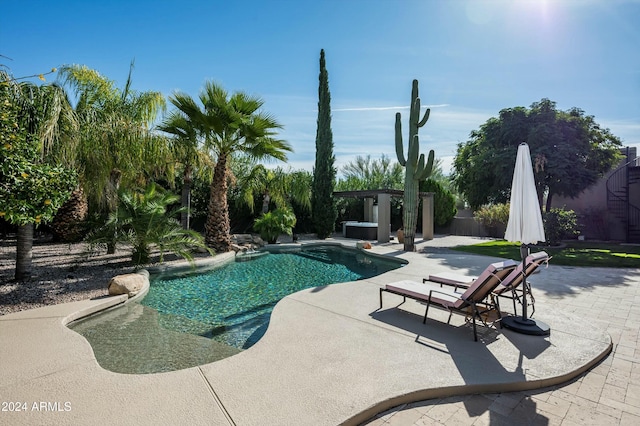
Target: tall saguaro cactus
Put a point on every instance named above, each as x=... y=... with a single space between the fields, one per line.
x=415 y=168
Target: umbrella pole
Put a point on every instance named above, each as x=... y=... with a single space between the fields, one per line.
x=524 y=253
x=523 y=324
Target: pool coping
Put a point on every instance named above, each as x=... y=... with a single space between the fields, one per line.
x=322 y=379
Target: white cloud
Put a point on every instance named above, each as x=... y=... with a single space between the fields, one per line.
x=369 y=130
x=394 y=108
x=370 y=109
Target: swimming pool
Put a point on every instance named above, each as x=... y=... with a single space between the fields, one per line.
x=196 y=318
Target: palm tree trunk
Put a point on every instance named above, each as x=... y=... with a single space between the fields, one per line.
x=186 y=199
x=218 y=228
x=24 y=252
x=265 y=202
x=112 y=199
x=67 y=224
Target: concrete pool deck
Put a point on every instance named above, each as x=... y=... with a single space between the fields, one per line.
x=329 y=356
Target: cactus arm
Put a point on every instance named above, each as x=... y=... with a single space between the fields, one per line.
x=426 y=172
x=415 y=110
x=399 y=147
x=419 y=168
x=425 y=118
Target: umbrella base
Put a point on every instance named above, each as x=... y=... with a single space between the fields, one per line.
x=526 y=326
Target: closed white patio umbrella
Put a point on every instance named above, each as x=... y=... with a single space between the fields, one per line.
x=524 y=226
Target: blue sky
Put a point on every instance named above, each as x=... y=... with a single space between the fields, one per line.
x=472 y=58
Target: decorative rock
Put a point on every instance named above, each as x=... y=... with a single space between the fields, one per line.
x=237 y=248
x=241 y=239
x=129 y=284
x=363 y=245
x=243 y=242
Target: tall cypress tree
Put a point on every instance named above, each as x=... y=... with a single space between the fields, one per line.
x=323 y=208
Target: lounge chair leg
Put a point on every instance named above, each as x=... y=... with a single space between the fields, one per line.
x=497 y=305
x=426 y=311
x=381 y=290
x=475 y=334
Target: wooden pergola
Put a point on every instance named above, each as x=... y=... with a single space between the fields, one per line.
x=384 y=209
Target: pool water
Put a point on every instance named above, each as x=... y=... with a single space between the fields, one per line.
x=194 y=319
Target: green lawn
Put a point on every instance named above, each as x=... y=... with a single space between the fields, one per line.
x=575 y=253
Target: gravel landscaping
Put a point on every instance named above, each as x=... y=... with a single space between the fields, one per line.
x=61 y=273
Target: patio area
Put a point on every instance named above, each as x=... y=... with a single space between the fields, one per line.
x=330 y=356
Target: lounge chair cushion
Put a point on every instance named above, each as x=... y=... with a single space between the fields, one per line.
x=515 y=278
x=490 y=278
x=452 y=279
x=452 y=297
x=447 y=297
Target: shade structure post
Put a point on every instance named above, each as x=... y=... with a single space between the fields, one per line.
x=384 y=217
x=524 y=226
x=427 y=216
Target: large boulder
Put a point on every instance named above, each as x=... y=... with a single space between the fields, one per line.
x=129 y=284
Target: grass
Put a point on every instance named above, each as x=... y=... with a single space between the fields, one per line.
x=571 y=254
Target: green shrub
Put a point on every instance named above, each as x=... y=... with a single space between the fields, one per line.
x=272 y=224
x=143 y=221
x=560 y=224
x=444 y=202
x=493 y=215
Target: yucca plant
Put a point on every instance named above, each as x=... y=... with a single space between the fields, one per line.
x=144 y=220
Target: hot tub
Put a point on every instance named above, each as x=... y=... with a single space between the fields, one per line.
x=361 y=230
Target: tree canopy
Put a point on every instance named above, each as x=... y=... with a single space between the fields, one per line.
x=569 y=152
x=365 y=173
x=31 y=191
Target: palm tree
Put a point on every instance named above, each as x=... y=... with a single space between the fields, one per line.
x=188 y=153
x=227 y=125
x=144 y=220
x=277 y=186
x=114 y=133
x=114 y=141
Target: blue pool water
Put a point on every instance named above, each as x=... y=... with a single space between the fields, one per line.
x=187 y=320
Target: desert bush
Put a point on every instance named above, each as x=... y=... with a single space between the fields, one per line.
x=444 y=202
x=493 y=215
x=560 y=224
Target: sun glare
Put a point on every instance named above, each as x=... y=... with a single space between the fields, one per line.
x=487 y=12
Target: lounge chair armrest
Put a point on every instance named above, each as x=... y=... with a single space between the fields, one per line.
x=440 y=292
